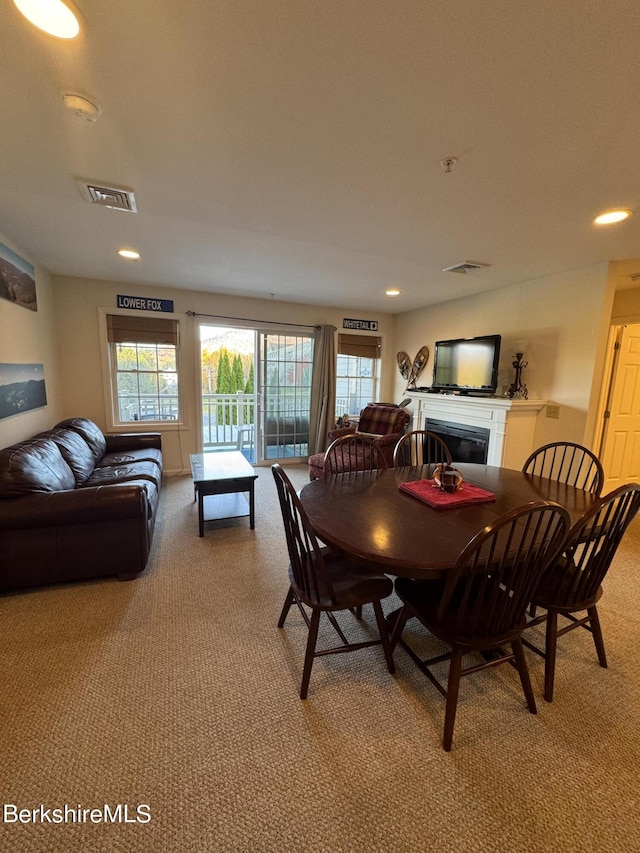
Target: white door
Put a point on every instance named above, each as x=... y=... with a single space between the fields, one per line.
x=620 y=453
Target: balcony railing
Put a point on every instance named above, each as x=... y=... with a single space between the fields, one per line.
x=228 y=421
x=135 y=407
x=223 y=416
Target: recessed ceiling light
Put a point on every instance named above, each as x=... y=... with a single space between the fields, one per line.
x=129 y=254
x=52 y=16
x=612 y=216
x=392 y=292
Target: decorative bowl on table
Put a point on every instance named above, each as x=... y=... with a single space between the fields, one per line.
x=447 y=478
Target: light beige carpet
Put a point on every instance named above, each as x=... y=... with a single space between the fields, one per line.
x=178 y=691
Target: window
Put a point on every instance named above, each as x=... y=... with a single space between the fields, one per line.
x=357 y=373
x=143 y=368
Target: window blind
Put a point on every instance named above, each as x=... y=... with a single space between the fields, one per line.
x=362 y=346
x=131 y=329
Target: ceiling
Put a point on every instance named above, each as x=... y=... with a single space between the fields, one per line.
x=294 y=148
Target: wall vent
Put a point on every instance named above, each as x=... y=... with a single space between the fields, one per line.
x=117 y=198
x=464 y=267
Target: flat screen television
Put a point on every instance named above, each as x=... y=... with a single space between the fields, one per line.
x=467 y=365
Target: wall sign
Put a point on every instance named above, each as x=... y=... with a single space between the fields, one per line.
x=144 y=303
x=361 y=325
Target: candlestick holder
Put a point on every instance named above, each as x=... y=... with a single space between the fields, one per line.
x=517 y=388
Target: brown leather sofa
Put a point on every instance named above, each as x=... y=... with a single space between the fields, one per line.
x=77 y=504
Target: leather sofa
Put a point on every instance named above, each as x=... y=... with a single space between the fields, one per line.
x=77 y=504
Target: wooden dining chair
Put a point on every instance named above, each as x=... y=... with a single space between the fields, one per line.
x=479 y=606
x=353 y=452
x=567 y=463
x=420 y=447
x=573 y=584
x=325 y=582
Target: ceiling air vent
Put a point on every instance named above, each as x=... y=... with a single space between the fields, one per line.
x=117 y=198
x=464 y=267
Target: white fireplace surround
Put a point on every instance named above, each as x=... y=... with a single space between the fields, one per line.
x=511 y=423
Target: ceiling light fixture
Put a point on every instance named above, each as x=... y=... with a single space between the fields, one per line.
x=612 y=216
x=51 y=16
x=393 y=291
x=81 y=107
x=129 y=254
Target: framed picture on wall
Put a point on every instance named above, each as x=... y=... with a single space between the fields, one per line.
x=22 y=388
x=17 y=279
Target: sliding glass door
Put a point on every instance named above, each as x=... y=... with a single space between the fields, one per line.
x=255 y=392
x=286 y=367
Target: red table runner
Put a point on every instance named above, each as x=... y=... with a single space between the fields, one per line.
x=428 y=492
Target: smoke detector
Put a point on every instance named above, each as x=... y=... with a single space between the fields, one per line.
x=117 y=198
x=464 y=267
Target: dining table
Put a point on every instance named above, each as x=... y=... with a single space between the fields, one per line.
x=368 y=516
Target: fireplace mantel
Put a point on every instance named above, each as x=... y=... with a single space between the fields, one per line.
x=511 y=423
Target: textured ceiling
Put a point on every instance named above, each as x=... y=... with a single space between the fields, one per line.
x=294 y=148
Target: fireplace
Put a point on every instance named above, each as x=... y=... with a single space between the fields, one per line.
x=493 y=430
x=466 y=443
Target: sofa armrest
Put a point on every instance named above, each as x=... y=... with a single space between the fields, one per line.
x=122 y=441
x=388 y=440
x=73 y=507
x=340 y=431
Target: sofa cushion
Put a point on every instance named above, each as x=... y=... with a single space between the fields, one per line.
x=33 y=466
x=75 y=452
x=124 y=457
x=90 y=432
x=125 y=473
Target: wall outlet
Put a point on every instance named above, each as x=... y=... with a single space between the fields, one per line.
x=553 y=411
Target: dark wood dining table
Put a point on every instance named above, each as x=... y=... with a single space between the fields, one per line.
x=366 y=515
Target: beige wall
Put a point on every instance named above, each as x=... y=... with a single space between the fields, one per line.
x=626 y=307
x=29 y=337
x=559 y=322
x=76 y=306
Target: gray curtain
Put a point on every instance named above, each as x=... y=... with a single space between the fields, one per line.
x=323 y=388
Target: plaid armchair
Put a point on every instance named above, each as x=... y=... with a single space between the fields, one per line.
x=384 y=423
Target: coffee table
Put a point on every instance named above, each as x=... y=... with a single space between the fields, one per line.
x=219 y=479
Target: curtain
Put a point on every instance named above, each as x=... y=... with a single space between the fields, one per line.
x=323 y=389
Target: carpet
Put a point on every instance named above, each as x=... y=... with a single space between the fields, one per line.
x=172 y=701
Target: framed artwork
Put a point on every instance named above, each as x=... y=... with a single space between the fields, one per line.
x=22 y=388
x=17 y=279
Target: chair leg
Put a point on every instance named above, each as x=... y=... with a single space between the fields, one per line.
x=597 y=635
x=453 y=686
x=285 y=610
x=310 y=653
x=398 y=628
x=336 y=627
x=523 y=672
x=551 y=641
x=384 y=636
